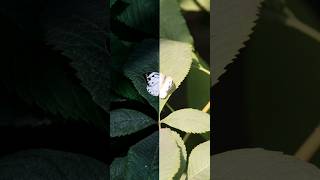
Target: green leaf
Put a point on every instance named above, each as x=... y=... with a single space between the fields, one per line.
x=189 y=120
x=124 y=87
x=198 y=87
x=172 y=23
x=199 y=162
x=169 y=154
x=126 y=121
x=143 y=159
x=183 y=155
x=252 y=164
x=175 y=61
x=233 y=23
x=80 y=33
x=142 y=15
x=51 y=165
x=144 y=59
x=118 y=168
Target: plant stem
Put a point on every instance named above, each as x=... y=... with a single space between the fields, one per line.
x=204 y=70
x=294 y=22
x=310 y=146
x=169 y=107
x=205 y=109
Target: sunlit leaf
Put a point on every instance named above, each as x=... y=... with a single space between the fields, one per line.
x=199 y=162
x=189 y=120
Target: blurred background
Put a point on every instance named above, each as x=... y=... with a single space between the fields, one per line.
x=270 y=95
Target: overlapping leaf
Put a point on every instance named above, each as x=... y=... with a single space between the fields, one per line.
x=127 y=121
x=144 y=59
x=80 y=33
x=142 y=15
x=175 y=61
x=143 y=159
x=189 y=120
x=199 y=162
x=169 y=155
x=118 y=169
x=172 y=23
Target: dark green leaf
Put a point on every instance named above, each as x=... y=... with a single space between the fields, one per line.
x=126 y=121
x=142 y=15
x=118 y=169
x=143 y=159
x=51 y=165
x=144 y=59
x=80 y=33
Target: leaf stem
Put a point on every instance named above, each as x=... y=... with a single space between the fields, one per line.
x=169 y=107
x=205 y=109
x=294 y=22
x=310 y=146
x=201 y=68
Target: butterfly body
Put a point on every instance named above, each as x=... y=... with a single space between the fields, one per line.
x=159 y=84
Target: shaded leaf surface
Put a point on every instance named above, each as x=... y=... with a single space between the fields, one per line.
x=118 y=169
x=142 y=15
x=143 y=159
x=252 y=164
x=50 y=165
x=233 y=23
x=127 y=121
x=80 y=32
x=144 y=59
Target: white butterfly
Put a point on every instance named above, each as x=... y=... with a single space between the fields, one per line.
x=159 y=84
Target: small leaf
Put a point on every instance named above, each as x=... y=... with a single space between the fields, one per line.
x=172 y=24
x=126 y=121
x=144 y=59
x=118 y=169
x=253 y=164
x=175 y=61
x=169 y=154
x=199 y=162
x=189 y=120
x=143 y=159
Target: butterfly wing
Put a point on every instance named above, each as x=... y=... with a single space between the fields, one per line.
x=153 y=83
x=165 y=86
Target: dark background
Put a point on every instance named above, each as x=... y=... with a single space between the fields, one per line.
x=27 y=59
